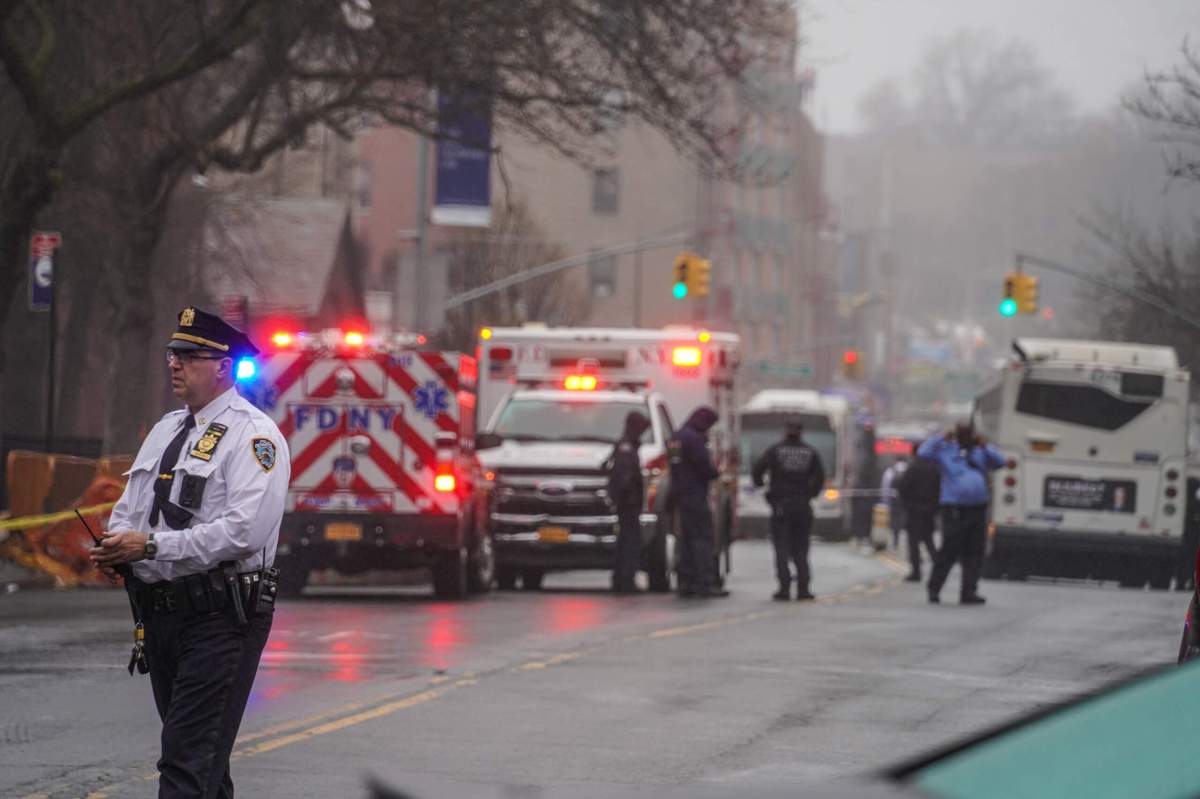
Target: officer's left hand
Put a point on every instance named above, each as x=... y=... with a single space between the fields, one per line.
x=118 y=548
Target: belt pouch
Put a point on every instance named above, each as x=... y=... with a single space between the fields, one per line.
x=197 y=592
x=216 y=589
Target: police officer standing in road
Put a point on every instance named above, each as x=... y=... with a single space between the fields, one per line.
x=195 y=533
x=692 y=469
x=627 y=491
x=797 y=476
x=919 y=490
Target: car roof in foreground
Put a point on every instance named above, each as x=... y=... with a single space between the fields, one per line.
x=1138 y=739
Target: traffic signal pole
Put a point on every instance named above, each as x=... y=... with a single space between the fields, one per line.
x=1104 y=283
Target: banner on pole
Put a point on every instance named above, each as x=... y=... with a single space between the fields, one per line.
x=463 y=192
x=43 y=246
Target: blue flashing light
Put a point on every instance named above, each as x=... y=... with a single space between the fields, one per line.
x=246 y=369
x=679 y=290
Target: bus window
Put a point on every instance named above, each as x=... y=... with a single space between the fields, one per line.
x=1134 y=384
x=1079 y=404
x=988 y=406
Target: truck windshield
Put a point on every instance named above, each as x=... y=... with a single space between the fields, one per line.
x=761 y=430
x=559 y=420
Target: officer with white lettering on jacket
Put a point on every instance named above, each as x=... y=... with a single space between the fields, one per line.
x=195 y=534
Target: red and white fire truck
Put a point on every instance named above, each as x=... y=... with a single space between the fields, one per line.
x=383 y=473
x=554 y=400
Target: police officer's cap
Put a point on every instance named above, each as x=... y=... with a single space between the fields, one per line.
x=200 y=330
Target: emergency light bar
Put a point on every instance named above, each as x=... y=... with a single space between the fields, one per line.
x=444 y=483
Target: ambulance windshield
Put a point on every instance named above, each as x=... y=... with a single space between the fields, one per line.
x=566 y=420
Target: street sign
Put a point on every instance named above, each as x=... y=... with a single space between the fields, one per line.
x=42 y=248
x=791 y=370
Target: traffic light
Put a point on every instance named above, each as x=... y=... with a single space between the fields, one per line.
x=700 y=277
x=851 y=365
x=1008 y=304
x=692 y=276
x=679 y=286
x=1027 y=294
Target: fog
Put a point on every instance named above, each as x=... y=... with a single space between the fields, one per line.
x=1095 y=48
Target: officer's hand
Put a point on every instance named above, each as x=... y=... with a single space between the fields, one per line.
x=117 y=548
x=109 y=572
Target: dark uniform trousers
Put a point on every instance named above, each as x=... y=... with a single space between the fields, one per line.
x=696 y=567
x=919 y=527
x=791 y=524
x=202 y=666
x=629 y=545
x=964 y=536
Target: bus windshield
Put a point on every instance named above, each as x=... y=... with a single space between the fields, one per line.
x=761 y=430
x=1088 y=405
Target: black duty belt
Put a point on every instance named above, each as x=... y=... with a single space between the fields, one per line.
x=200 y=593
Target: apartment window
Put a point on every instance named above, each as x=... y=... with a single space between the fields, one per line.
x=606 y=190
x=602 y=272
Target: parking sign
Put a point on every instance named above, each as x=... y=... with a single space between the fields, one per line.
x=42 y=249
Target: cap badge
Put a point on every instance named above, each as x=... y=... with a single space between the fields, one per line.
x=187 y=317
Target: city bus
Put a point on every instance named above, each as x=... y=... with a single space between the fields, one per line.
x=829 y=427
x=1095 y=481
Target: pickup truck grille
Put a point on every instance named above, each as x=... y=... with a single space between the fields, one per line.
x=551 y=494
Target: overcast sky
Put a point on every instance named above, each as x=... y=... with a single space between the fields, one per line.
x=1095 y=48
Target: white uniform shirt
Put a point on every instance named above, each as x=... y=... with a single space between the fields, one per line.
x=244 y=493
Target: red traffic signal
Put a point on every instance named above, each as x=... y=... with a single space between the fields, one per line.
x=850 y=357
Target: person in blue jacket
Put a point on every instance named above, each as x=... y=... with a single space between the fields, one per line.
x=964 y=460
x=692 y=469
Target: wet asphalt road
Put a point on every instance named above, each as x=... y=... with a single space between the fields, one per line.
x=572 y=685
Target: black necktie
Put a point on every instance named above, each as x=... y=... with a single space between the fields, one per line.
x=177 y=518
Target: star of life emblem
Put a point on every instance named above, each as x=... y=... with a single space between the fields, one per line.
x=432 y=399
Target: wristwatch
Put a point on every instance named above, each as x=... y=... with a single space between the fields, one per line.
x=151 y=548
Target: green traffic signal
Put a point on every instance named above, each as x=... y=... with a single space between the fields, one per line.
x=679 y=290
x=1008 y=307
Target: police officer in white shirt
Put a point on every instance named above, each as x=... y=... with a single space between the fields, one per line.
x=194 y=535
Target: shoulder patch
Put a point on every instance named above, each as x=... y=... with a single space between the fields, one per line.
x=264 y=452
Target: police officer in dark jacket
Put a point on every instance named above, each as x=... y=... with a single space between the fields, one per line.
x=692 y=469
x=797 y=475
x=919 y=489
x=627 y=491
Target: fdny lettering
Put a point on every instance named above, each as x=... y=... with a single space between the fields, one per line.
x=357 y=417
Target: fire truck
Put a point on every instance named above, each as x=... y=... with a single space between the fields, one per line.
x=554 y=401
x=381 y=434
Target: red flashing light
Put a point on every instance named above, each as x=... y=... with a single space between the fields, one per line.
x=850 y=357
x=281 y=338
x=353 y=338
x=686 y=356
x=422 y=340
x=444 y=483
x=580 y=383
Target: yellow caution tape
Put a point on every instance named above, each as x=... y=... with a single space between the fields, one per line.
x=25 y=522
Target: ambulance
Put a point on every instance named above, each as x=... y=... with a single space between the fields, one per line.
x=553 y=401
x=381 y=434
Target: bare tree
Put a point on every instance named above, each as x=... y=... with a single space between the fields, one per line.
x=1171 y=100
x=1163 y=265
x=259 y=73
x=513 y=243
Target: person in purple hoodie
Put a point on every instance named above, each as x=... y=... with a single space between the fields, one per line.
x=692 y=469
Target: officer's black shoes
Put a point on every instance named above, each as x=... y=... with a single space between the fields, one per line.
x=933 y=599
x=626 y=590
x=805 y=596
x=913 y=577
x=782 y=595
x=686 y=591
x=973 y=599
x=711 y=593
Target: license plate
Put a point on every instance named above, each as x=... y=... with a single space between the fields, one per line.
x=554 y=535
x=343 y=531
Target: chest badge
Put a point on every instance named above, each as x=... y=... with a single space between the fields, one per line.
x=264 y=453
x=207 y=445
